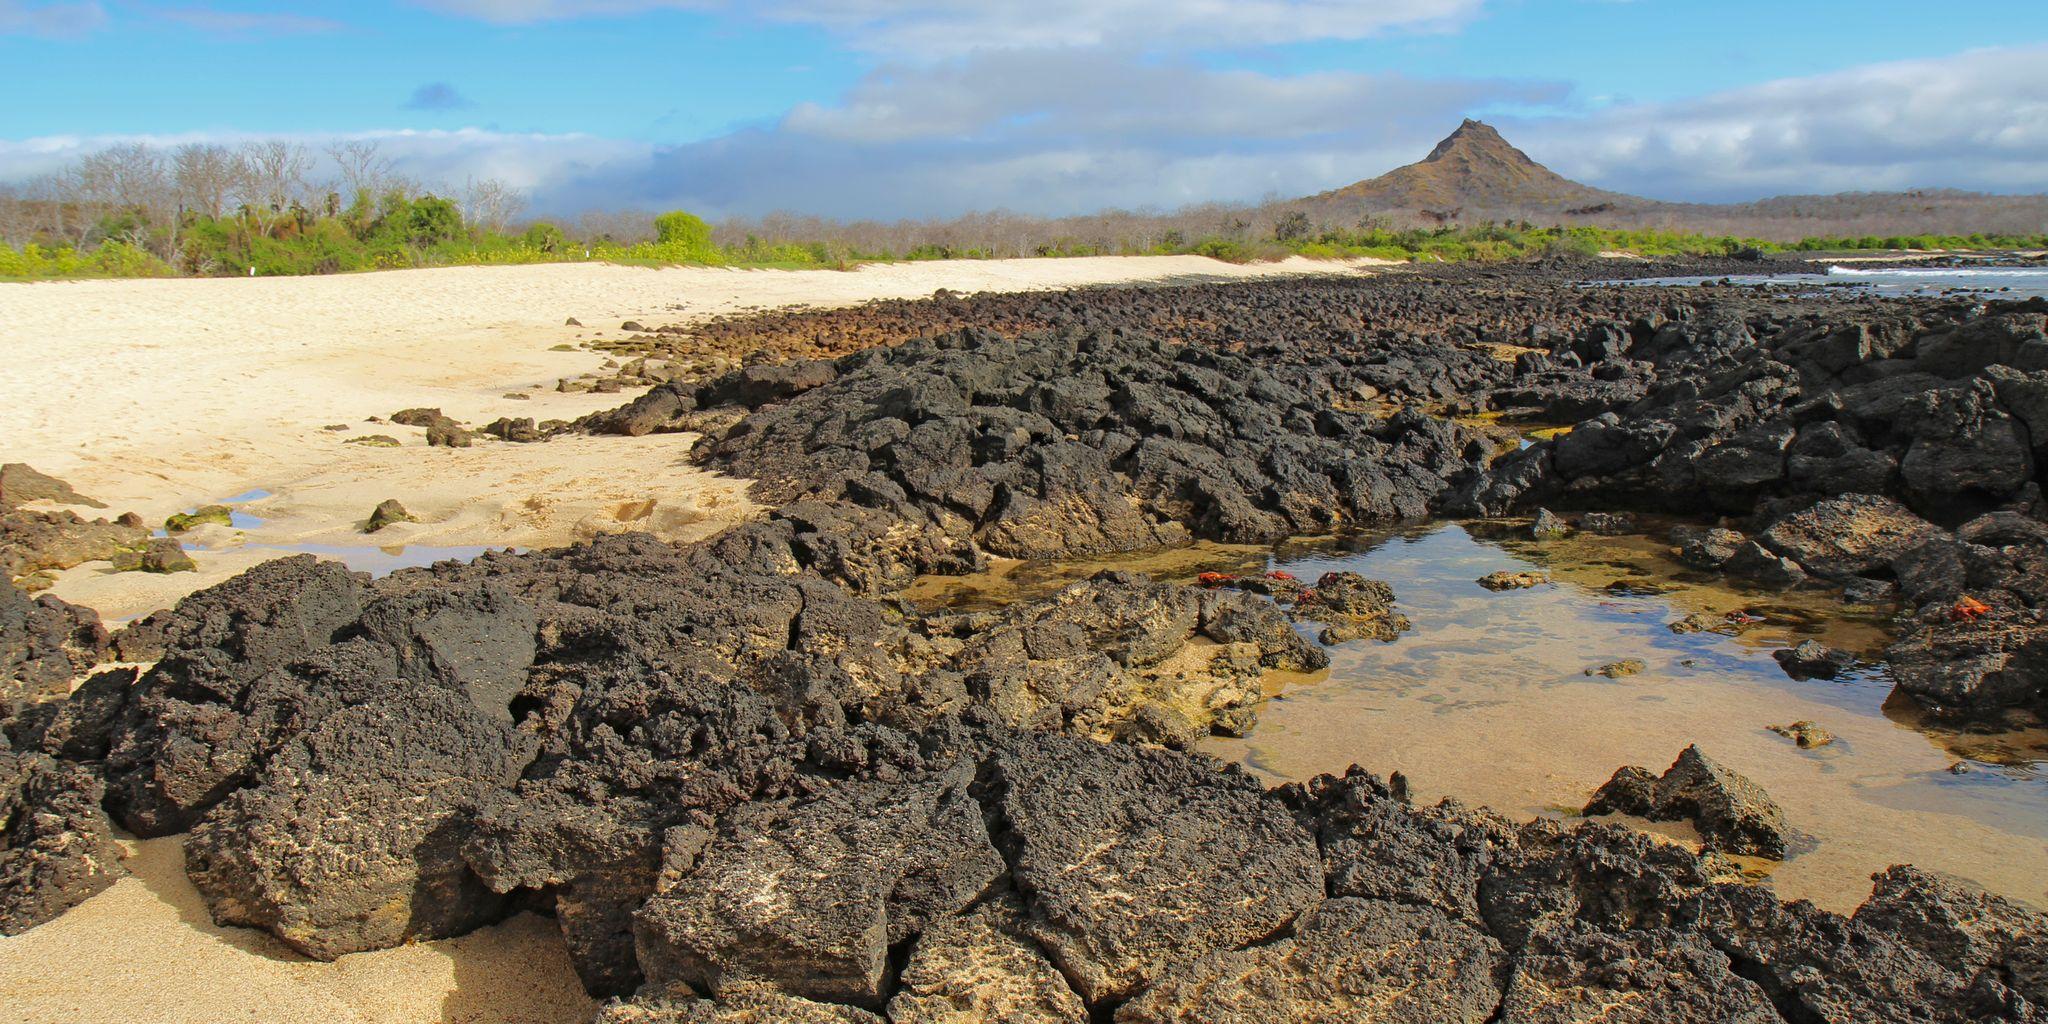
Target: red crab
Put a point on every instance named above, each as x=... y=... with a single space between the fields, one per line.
x=1215 y=579
x=1968 y=609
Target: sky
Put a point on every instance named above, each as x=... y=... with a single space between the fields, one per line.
x=922 y=108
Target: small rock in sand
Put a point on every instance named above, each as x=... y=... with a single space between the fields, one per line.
x=217 y=515
x=1548 y=526
x=445 y=434
x=1505 y=580
x=387 y=512
x=1618 y=669
x=335 y=427
x=1806 y=734
x=374 y=441
x=162 y=555
x=572 y=322
x=631 y=325
x=1814 y=660
x=517 y=396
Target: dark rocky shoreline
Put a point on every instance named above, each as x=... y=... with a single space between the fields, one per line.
x=751 y=784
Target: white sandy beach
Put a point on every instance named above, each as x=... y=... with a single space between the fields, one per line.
x=157 y=396
x=160 y=395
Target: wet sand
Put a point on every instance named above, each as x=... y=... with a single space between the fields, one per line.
x=157 y=396
x=1488 y=701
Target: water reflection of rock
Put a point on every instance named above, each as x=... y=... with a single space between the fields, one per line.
x=1510 y=667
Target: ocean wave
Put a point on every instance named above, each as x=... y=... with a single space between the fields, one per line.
x=1908 y=273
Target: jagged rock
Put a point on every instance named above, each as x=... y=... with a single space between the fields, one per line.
x=980 y=968
x=21 y=484
x=204 y=713
x=1347 y=960
x=57 y=848
x=1549 y=525
x=1732 y=813
x=82 y=727
x=44 y=644
x=418 y=417
x=349 y=838
x=1607 y=524
x=1989 y=939
x=1353 y=607
x=477 y=639
x=32 y=541
x=747 y=1006
x=1135 y=861
x=1971 y=667
x=518 y=431
x=162 y=555
x=387 y=512
x=1806 y=734
x=1121 y=655
x=448 y=434
x=1506 y=580
x=1814 y=660
x=1376 y=846
x=1817 y=966
x=810 y=896
x=1548 y=875
x=1638 y=977
x=1709 y=548
x=374 y=441
x=1848 y=536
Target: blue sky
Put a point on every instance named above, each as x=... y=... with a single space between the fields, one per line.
x=932 y=107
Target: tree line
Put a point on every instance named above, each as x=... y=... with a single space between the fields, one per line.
x=281 y=207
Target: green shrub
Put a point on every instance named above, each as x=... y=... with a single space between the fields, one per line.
x=682 y=228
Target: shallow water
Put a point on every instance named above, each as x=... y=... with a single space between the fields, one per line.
x=1488 y=699
x=1991 y=281
x=383 y=561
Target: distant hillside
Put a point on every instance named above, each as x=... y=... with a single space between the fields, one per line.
x=1472 y=171
x=1475 y=176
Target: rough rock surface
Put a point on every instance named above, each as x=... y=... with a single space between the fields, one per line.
x=1347 y=960
x=980 y=968
x=57 y=848
x=1084 y=825
x=810 y=896
x=350 y=838
x=220 y=698
x=1643 y=977
x=1732 y=813
x=44 y=644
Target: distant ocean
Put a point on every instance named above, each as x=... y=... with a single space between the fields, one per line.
x=1992 y=282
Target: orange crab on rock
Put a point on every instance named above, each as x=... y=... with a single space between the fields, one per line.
x=1968 y=609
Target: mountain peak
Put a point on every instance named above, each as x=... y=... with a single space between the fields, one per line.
x=1476 y=135
x=1475 y=172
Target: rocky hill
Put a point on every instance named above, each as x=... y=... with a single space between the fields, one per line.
x=1475 y=169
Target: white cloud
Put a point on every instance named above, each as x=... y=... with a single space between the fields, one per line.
x=921 y=29
x=1975 y=120
x=50 y=19
x=208 y=19
x=1055 y=133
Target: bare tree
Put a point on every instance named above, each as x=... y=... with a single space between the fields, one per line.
x=207 y=177
x=277 y=173
x=363 y=168
x=491 y=203
x=129 y=179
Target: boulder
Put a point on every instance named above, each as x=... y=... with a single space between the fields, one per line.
x=21 y=484
x=1812 y=659
x=980 y=968
x=1732 y=814
x=161 y=555
x=387 y=512
x=1852 y=535
x=1136 y=861
x=809 y=896
x=44 y=644
x=1991 y=940
x=349 y=838
x=746 y=1006
x=1661 y=976
x=57 y=848
x=201 y=717
x=204 y=515
x=1347 y=960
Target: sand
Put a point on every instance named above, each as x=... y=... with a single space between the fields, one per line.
x=158 y=396
x=145 y=952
